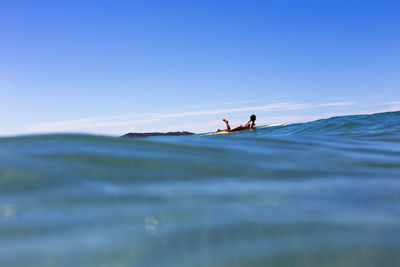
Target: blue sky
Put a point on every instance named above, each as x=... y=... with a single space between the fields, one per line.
x=111 y=67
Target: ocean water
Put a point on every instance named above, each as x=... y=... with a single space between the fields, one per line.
x=324 y=193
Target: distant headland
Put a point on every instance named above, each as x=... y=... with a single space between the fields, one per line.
x=137 y=135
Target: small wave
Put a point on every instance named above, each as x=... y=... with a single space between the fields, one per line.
x=379 y=124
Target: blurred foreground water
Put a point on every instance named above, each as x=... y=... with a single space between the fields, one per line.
x=324 y=193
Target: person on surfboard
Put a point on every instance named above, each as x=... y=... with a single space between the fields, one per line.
x=248 y=125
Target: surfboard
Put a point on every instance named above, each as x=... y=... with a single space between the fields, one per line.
x=273 y=125
x=255 y=128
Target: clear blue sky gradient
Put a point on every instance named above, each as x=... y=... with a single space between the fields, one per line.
x=110 y=67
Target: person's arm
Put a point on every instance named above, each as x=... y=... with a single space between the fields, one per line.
x=251 y=124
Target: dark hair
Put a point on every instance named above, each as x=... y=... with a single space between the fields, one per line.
x=253 y=117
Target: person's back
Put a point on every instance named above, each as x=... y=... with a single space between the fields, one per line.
x=248 y=125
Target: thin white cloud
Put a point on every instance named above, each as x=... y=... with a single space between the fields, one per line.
x=222 y=103
x=134 y=119
x=393 y=103
x=337 y=104
x=131 y=119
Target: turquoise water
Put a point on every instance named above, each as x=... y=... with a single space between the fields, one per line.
x=324 y=193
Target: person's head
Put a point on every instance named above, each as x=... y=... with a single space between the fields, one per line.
x=253 y=118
